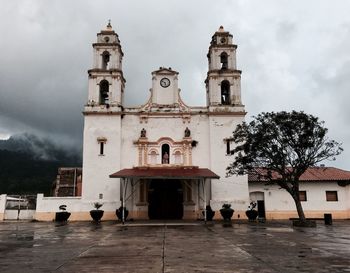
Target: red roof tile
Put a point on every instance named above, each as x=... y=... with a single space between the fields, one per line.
x=166 y=173
x=311 y=174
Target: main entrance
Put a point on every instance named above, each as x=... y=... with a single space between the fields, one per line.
x=165 y=199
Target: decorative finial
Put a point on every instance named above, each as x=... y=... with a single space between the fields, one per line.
x=109 y=26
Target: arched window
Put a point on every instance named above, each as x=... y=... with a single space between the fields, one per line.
x=165 y=154
x=104 y=89
x=225 y=92
x=223 y=60
x=105 y=59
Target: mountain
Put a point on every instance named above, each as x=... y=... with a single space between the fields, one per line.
x=28 y=163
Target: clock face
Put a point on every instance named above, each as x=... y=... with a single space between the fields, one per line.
x=164 y=82
x=223 y=40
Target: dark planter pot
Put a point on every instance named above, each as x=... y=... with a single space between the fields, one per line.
x=119 y=213
x=96 y=214
x=62 y=216
x=210 y=215
x=227 y=214
x=251 y=214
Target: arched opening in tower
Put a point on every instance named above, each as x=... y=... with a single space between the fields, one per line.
x=105 y=59
x=223 y=60
x=104 y=90
x=225 y=92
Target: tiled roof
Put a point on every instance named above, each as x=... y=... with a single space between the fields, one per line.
x=166 y=173
x=311 y=174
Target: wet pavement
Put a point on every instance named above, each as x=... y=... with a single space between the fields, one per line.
x=173 y=247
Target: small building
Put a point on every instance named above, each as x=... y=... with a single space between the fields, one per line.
x=322 y=190
x=68 y=182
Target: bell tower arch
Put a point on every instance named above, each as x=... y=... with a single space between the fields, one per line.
x=106 y=80
x=223 y=82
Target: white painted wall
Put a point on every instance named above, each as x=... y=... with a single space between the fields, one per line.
x=234 y=189
x=277 y=199
x=96 y=167
x=2 y=205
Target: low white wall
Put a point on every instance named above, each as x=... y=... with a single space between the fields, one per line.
x=2 y=206
x=74 y=204
x=24 y=214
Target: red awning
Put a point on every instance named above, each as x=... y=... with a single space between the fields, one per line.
x=166 y=173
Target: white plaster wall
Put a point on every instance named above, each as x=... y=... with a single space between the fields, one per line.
x=277 y=199
x=74 y=204
x=96 y=167
x=2 y=205
x=158 y=127
x=24 y=214
x=234 y=189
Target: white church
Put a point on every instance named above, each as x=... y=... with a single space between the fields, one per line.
x=164 y=159
x=167 y=160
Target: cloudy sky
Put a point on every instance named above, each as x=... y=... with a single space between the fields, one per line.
x=293 y=54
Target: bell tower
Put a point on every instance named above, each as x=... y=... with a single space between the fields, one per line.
x=103 y=119
x=106 y=81
x=223 y=82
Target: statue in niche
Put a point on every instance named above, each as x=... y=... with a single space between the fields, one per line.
x=187 y=132
x=165 y=159
x=143 y=132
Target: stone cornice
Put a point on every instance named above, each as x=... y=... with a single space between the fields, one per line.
x=222 y=46
x=224 y=71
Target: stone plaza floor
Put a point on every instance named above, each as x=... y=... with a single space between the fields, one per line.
x=173 y=247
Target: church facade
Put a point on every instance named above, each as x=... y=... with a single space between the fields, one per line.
x=167 y=160
x=163 y=159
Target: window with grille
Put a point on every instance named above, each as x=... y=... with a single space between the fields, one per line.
x=331 y=196
x=302 y=196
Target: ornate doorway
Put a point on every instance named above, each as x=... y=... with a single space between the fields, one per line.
x=165 y=199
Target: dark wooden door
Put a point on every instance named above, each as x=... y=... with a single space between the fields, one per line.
x=165 y=199
x=261 y=209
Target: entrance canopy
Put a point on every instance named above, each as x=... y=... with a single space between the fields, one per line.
x=166 y=173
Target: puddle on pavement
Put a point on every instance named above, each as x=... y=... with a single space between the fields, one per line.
x=280 y=229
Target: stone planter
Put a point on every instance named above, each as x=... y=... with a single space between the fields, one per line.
x=210 y=215
x=226 y=213
x=96 y=214
x=251 y=214
x=62 y=216
x=119 y=213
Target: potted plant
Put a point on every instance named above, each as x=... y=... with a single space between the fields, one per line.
x=210 y=213
x=251 y=212
x=119 y=213
x=96 y=214
x=63 y=214
x=226 y=212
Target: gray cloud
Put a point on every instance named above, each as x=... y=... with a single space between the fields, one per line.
x=294 y=55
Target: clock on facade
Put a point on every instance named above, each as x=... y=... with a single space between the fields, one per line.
x=164 y=82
